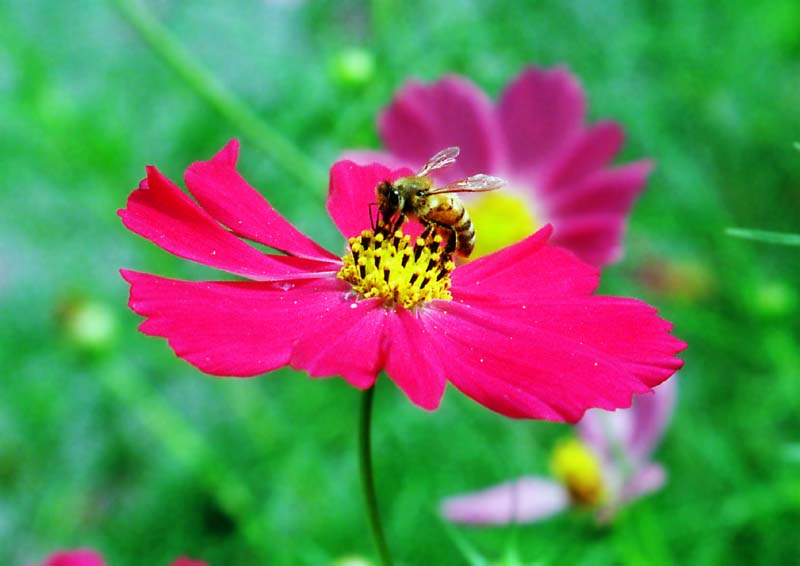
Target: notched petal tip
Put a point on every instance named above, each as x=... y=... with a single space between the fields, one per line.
x=228 y=155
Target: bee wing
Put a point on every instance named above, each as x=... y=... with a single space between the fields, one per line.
x=444 y=158
x=475 y=184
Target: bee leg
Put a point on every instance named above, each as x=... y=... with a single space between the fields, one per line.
x=450 y=247
x=428 y=233
x=397 y=223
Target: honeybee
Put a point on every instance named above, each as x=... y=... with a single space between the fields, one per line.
x=438 y=209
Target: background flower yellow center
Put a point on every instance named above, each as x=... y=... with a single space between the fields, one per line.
x=579 y=470
x=500 y=218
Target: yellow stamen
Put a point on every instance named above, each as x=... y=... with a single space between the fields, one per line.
x=500 y=218
x=580 y=471
x=391 y=268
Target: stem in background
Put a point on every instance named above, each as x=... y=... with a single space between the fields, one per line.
x=367 y=479
x=272 y=142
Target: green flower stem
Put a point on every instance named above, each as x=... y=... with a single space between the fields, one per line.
x=272 y=142
x=367 y=479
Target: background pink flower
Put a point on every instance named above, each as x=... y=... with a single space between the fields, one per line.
x=621 y=444
x=77 y=557
x=535 y=137
x=89 y=557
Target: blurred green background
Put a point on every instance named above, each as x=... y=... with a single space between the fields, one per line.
x=107 y=440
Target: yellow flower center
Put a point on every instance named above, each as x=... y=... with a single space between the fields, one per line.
x=392 y=268
x=574 y=465
x=501 y=218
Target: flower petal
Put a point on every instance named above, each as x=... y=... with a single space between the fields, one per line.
x=525 y=500
x=77 y=557
x=529 y=268
x=549 y=349
x=540 y=112
x=411 y=362
x=185 y=561
x=352 y=191
x=248 y=328
x=635 y=431
x=347 y=342
x=651 y=415
x=507 y=364
x=590 y=217
x=606 y=431
x=648 y=479
x=424 y=119
x=610 y=190
x=227 y=197
x=159 y=211
x=587 y=153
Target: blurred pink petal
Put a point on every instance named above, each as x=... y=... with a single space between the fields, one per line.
x=646 y=480
x=635 y=431
x=651 y=415
x=587 y=153
x=525 y=500
x=541 y=111
x=370 y=157
x=77 y=557
x=536 y=138
x=184 y=561
x=424 y=119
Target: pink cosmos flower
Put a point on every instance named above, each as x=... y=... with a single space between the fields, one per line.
x=535 y=137
x=77 y=557
x=88 y=557
x=519 y=331
x=609 y=467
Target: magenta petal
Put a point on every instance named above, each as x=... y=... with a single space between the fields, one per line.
x=352 y=190
x=412 y=361
x=237 y=328
x=221 y=191
x=525 y=500
x=545 y=341
x=611 y=190
x=159 y=211
x=540 y=112
x=347 y=343
x=586 y=154
x=186 y=561
x=595 y=238
x=78 y=557
x=504 y=362
x=424 y=119
x=529 y=268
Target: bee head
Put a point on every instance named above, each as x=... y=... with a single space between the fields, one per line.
x=390 y=199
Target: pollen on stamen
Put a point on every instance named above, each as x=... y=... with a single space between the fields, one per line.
x=391 y=267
